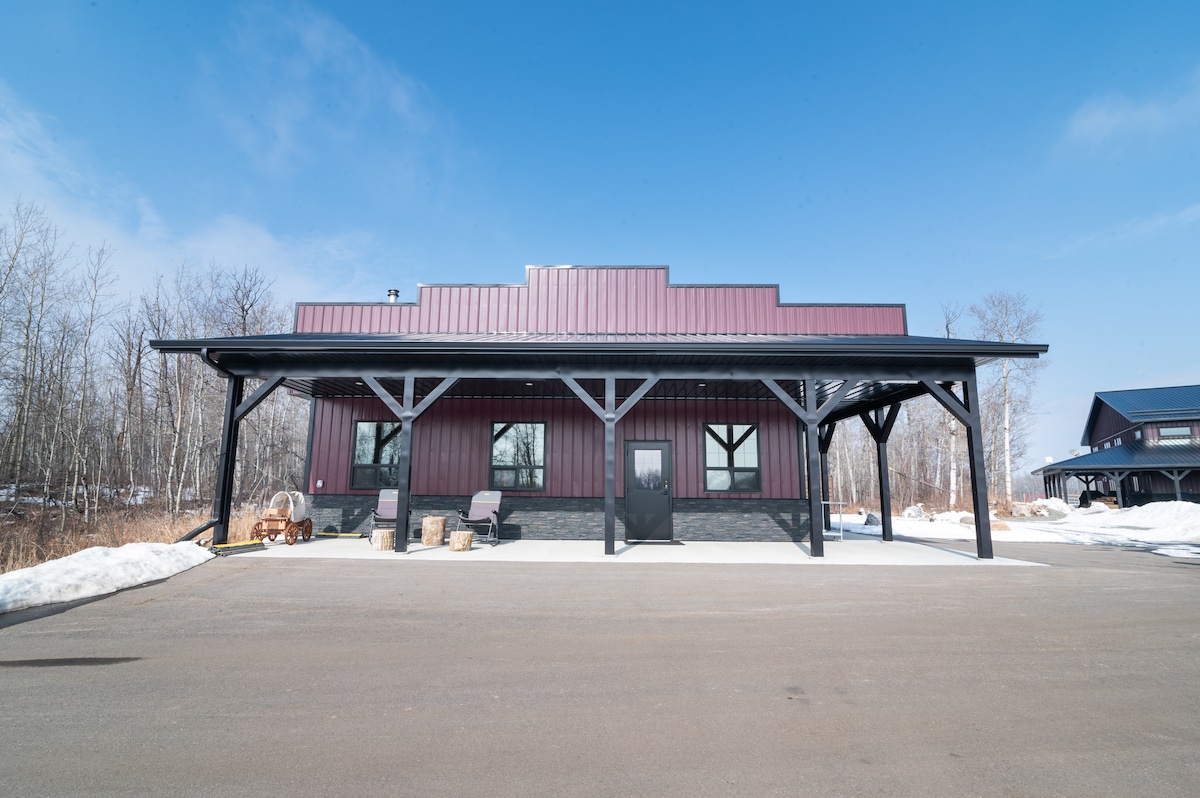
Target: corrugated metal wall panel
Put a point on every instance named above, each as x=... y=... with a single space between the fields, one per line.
x=1109 y=423
x=452 y=440
x=637 y=300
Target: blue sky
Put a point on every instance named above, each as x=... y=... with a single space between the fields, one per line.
x=916 y=153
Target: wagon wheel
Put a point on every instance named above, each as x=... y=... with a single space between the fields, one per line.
x=291 y=533
x=307 y=528
x=272 y=533
x=257 y=533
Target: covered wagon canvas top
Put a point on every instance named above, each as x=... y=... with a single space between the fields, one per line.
x=610 y=337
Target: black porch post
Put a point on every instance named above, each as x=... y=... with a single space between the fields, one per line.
x=610 y=465
x=885 y=488
x=825 y=434
x=880 y=428
x=810 y=417
x=802 y=451
x=979 y=496
x=610 y=414
x=966 y=410
x=407 y=412
x=812 y=445
x=227 y=461
x=404 y=466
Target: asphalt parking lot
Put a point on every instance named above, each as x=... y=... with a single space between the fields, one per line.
x=358 y=677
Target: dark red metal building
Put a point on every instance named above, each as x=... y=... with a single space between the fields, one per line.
x=603 y=402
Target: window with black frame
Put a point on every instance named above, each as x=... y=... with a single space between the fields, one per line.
x=518 y=456
x=376 y=455
x=731 y=458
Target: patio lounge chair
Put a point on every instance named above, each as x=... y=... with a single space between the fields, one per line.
x=483 y=515
x=384 y=513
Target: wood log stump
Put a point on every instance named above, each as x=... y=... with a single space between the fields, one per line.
x=460 y=539
x=383 y=539
x=433 y=530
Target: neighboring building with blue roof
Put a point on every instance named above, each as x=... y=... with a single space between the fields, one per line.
x=1145 y=446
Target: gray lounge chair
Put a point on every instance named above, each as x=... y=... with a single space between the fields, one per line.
x=384 y=513
x=484 y=514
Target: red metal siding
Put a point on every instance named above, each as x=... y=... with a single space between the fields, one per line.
x=682 y=423
x=333 y=432
x=595 y=300
x=452 y=443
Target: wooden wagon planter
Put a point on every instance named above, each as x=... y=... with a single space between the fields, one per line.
x=287 y=515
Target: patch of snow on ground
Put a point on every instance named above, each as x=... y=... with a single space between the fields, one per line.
x=95 y=572
x=1055 y=505
x=953 y=516
x=1179 y=551
x=1157 y=523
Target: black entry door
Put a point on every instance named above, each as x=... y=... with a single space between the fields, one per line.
x=648 y=490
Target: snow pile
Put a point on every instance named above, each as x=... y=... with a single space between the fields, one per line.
x=1154 y=522
x=95 y=572
x=1055 y=505
x=953 y=516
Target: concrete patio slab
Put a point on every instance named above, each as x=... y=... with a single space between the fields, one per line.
x=851 y=551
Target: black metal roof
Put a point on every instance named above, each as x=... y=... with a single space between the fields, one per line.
x=1141 y=405
x=1140 y=455
x=265 y=354
x=529 y=364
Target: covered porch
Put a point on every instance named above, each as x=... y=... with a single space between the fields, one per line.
x=1132 y=472
x=822 y=381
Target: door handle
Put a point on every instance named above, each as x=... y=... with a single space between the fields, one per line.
x=666 y=488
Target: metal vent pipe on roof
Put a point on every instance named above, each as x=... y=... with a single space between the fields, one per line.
x=393 y=294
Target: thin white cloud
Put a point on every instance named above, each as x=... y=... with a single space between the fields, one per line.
x=1108 y=120
x=92 y=206
x=1135 y=230
x=301 y=267
x=41 y=167
x=294 y=87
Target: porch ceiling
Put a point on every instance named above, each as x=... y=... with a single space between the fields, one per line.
x=692 y=366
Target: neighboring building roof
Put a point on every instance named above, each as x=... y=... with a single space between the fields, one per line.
x=1140 y=455
x=1142 y=405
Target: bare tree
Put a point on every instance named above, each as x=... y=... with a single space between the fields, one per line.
x=1008 y=317
x=89 y=417
x=951 y=313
